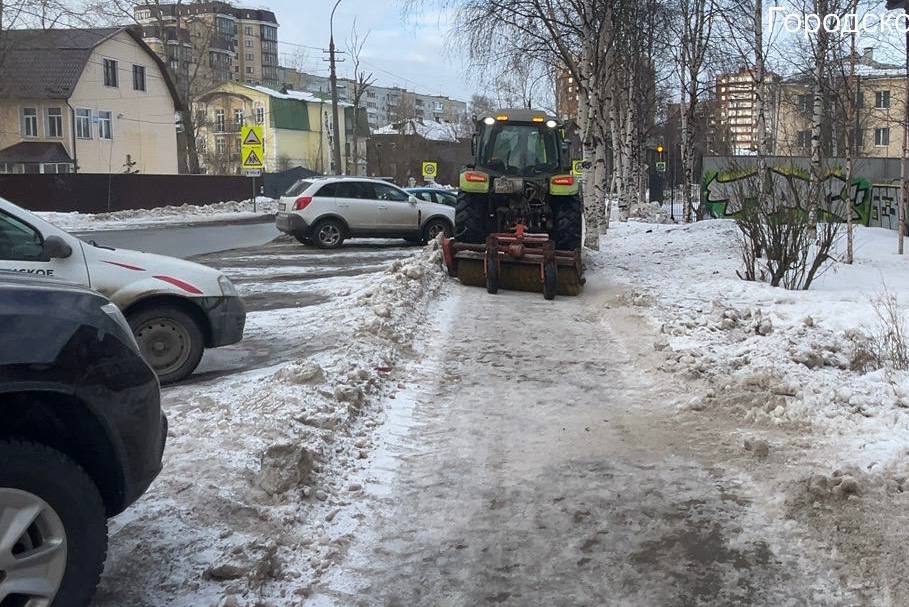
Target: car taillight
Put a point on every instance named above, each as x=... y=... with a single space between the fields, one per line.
x=302 y=202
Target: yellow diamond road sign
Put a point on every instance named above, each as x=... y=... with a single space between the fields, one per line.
x=252 y=148
x=430 y=170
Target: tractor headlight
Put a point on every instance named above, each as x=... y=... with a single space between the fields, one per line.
x=227 y=287
x=489 y=120
x=552 y=124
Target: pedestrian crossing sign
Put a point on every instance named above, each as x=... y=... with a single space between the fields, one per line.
x=252 y=147
x=252 y=160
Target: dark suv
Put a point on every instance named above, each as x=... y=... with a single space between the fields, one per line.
x=81 y=436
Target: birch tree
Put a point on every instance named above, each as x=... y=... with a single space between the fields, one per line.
x=361 y=82
x=696 y=22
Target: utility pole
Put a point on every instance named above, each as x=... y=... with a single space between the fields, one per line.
x=335 y=122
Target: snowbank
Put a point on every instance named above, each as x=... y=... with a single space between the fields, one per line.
x=258 y=462
x=780 y=358
x=140 y=218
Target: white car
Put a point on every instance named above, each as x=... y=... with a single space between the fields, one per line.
x=176 y=308
x=326 y=210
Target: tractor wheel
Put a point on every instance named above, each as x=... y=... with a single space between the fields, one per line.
x=492 y=276
x=471 y=221
x=568 y=214
x=550 y=280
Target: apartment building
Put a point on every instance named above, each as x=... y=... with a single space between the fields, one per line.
x=736 y=117
x=878 y=123
x=86 y=100
x=206 y=43
x=567 y=97
x=385 y=105
x=297 y=129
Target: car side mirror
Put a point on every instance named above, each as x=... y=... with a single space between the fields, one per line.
x=56 y=248
x=413 y=199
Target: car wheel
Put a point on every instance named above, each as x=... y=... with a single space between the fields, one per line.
x=434 y=227
x=53 y=528
x=303 y=239
x=328 y=234
x=170 y=341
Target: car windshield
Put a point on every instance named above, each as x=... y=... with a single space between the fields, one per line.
x=519 y=149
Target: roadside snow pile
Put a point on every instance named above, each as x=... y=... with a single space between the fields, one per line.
x=187 y=213
x=781 y=358
x=258 y=463
x=650 y=212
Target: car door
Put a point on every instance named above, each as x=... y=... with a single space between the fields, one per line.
x=22 y=250
x=355 y=205
x=394 y=211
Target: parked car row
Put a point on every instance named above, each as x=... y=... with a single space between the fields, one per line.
x=326 y=211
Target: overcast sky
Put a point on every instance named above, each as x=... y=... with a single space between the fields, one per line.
x=411 y=53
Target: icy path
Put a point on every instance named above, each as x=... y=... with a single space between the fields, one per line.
x=542 y=463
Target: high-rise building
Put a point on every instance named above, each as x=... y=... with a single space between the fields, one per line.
x=206 y=43
x=736 y=117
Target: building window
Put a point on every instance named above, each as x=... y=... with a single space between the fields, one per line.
x=803 y=139
x=260 y=115
x=54 y=122
x=105 y=125
x=806 y=103
x=882 y=137
x=249 y=69
x=249 y=30
x=83 y=123
x=248 y=43
x=219 y=121
x=250 y=57
x=29 y=122
x=220 y=146
x=238 y=118
x=882 y=100
x=110 y=72
x=138 y=77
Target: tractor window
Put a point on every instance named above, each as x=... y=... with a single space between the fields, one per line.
x=519 y=149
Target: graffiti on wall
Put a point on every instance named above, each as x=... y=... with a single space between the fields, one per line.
x=724 y=193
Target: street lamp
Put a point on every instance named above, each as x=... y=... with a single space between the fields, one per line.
x=335 y=122
x=904 y=164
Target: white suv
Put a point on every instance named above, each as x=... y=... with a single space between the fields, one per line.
x=326 y=210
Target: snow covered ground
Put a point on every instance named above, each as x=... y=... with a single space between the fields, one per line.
x=804 y=348
x=789 y=373
x=257 y=462
x=687 y=435
x=143 y=218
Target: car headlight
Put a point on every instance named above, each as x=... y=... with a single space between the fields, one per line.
x=227 y=287
x=117 y=316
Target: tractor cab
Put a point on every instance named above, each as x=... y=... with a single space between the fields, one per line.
x=520 y=143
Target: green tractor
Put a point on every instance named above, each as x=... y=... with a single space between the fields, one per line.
x=518 y=223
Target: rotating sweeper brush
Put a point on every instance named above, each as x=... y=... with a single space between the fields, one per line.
x=518 y=220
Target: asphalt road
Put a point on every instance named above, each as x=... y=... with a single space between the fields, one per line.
x=187 y=240
x=280 y=275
